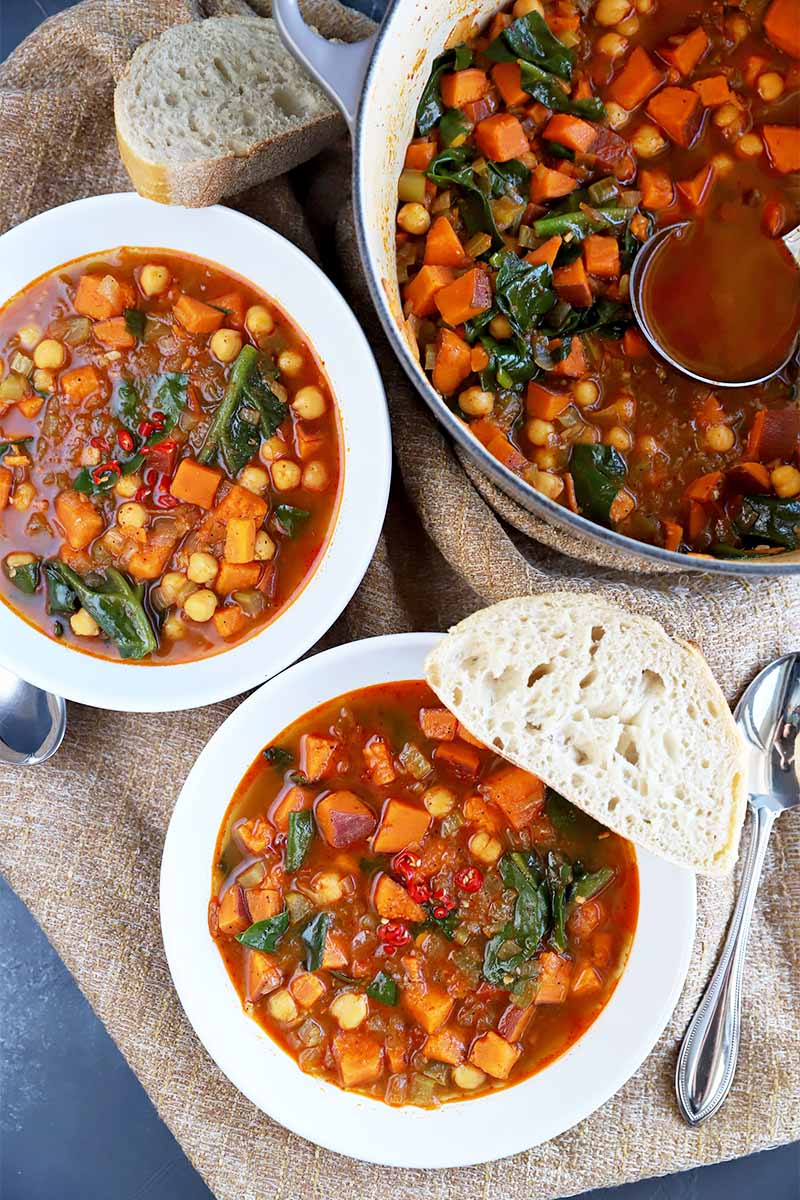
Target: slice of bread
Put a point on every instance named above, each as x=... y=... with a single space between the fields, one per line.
x=608 y=710
x=213 y=107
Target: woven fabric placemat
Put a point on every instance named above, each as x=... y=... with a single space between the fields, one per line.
x=81 y=838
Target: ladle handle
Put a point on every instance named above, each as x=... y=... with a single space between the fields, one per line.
x=791 y=241
x=710 y=1048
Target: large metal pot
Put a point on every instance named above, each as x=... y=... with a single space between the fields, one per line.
x=376 y=83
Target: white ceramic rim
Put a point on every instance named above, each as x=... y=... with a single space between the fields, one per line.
x=458 y=1134
x=275 y=266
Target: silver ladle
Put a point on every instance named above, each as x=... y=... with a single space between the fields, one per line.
x=32 y=722
x=768 y=716
x=639 y=269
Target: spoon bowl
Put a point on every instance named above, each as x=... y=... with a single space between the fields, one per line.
x=32 y=722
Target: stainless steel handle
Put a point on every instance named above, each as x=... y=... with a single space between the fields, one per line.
x=707 y=1059
x=338 y=67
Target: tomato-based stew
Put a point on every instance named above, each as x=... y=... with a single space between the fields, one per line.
x=549 y=146
x=407 y=914
x=169 y=456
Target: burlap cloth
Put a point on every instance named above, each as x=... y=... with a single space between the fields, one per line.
x=82 y=836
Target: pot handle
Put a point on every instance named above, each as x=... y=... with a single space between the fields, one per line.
x=338 y=67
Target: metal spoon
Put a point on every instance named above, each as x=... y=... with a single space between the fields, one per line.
x=32 y=722
x=641 y=263
x=768 y=716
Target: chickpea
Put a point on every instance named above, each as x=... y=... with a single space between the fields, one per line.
x=327 y=887
x=349 y=1009
x=585 y=392
x=309 y=403
x=726 y=114
x=546 y=458
x=203 y=568
x=468 y=1078
x=619 y=438
x=225 y=344
x=439 y=801
x=475 y=402
x=786 y=481
x=44 y=381
x=629 y=27
x=154 y=280
x=259 y=321
x=290 y=362
x=132 y=516
x=272 y=448
x=644 y=6
x=172 y=585
x=281 y=1006
x=723 y=164
x=611 y=12
x=29 y=337
x=539 y=432
x=750 y=145
x=486 y=848
x=647 y=446
x=719 y=438
x=316 y=476
x=647 y=141
x=617 y=115
x=24 y=495
x=255 y=479
x=173 y=628
x=83 y=624
x=770 y=85
x=414 y=218
x=200 y=606
x=14 y=562
x=90 y=456
x=49 y=355
x=500 y=327
x=127 y=486
x=549 y=485
x=286 y=475
x=523 y=7
x=265 y=547
x=736 y=28
x=612 y=45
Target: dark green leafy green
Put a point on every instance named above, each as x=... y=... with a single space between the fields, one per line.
x=431 y=108
x=769 y=519
x=24 y=577
x=522 y=872
x=563 y=815
x=529 y=38
x=240 y=439
x=559 y=879
x=313 y=938
x=556 y=150
x=508 y=179
x=608 y=317
x=117 y=607
x=511 y=363
x=61 y=599
x=243 y=367
x=447 y=924
x=523 y=291
x=277 y=757
x=135 y=321
x=383 y=989
x=545 y=88
x=590 y=884
x=598 y=473
x=454 y=166
x=298 y=839
x=582 y=222
x=453 y=127
x=265 y=935
x=290 y=519
x=271 y=410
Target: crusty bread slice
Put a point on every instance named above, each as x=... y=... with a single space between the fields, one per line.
x=608 y=710
x=213 y=107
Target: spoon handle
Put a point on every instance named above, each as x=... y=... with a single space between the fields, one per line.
x=791 y=241
x=710 y=1048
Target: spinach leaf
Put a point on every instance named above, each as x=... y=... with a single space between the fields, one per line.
x=563 y=815
x=61 y=599
x=117 y=607
x=25 y=577
x=769 y=519
x=523 y=291
x=605 y=316
x=545 y=88
x=240 y=439
x=598 y=473
x=431 y=108
x=556 y=150
x=454 y=166
x=383 y=989
x=530 y=39
x=313 y=937
x=454 y=127
x=559 y=879
x=13 y=444
x=511 y=363
x=446 y=925
x=265 y=935
x=590 y=884
x=521 y=872
x=290 y=519
x=501 y=956
x=259 y=395
x=299 y=838
x=135 y=321
x=508 y=179
x=276 y=756
x=243 y=367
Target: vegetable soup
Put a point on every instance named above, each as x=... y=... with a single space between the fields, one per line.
x=407 y=914
x=169 y=456
x=547 y=150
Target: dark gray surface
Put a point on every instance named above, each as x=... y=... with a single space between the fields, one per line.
x=74 y=1122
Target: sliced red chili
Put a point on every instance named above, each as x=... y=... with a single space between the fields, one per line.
x=469 y=879
x=111 y=467
x=142 y=494
x=158 y=419
x=404 y=863
x=100 y=443
x=394 y=933
x=125 y=440
x=418 y=890
x=165 y=500
x=145 y=428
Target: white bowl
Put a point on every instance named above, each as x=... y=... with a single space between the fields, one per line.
x=457 y=1134
x=278 y=268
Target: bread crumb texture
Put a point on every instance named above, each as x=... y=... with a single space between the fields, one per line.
x=608 y=710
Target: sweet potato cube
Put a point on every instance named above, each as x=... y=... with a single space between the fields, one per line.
x=392 y=901
x=438 y=724
x=601 y=256
x=572 y=284
x=102 y=297
x=419 y=155
x=493 y=1055
x=114 y=333
x=229 y=621
x=686 y=54
x=254 y=834
x=544 y=403
x=518 y=795
x=445 y=1046
x=554 y=977
x=571 y=132
x=420 y=292
x=657 y=189
x=358 y=1055
x=443 y=246
x=240 y=539
x=775 y=433
x=453 y=362
x=234 y=307
x=344 y=819
x=459 y=758
x=292 y=799
x=484 y=816
x=501 y=137
x=307 y=989
x=783 y=147
x=461 y=87
x=262 y=976
x=696 y=191
x=80 y=383
x=379 y=762
x=430 y=1006
x=586 y=981
x=402 y=824
x=514 y=1022
x=196 y=317
x=705 y=488
x=637 y=80
x=6 y=479
x=195 y=483
x=152 y=556
x=678 y=111
x=237 y=502
x=547 y=184
x=234 y=916
x=468 y=737
x=546 y=253
x=335 y=952
x=81 y=521
x=465 y=297
x=574 y=365
x=507 y=78
x=316 y=754
x=713 y=91
x=782 y=26
x=263 y=903
x=236 y=577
